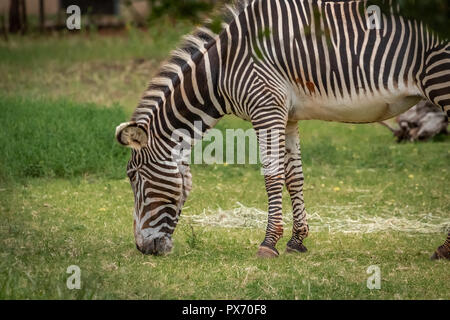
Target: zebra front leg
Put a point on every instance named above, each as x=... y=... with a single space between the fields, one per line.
x=271 y=138
x=294 y=183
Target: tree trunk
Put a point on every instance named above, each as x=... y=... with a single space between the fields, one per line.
x=41 y=15
x=14 y=17
x=24 y=16
x=4 y=28
x=17 y=16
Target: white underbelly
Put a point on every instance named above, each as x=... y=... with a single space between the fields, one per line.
x=356 y=110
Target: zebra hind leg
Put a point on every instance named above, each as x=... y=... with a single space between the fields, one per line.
x=443 y=252
x=294 y=183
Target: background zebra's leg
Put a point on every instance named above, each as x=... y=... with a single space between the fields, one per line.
x=270 y=130
x=294 y=183
x=443 y=252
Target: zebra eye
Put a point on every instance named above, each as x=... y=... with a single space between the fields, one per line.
x=131 y=175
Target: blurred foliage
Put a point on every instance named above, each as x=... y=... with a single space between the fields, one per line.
x=434 y=13
x=180 y=9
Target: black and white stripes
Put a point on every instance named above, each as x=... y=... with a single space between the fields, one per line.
x=275 y=62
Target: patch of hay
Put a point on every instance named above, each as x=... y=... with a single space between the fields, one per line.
x=239 y=217
x=344 y=219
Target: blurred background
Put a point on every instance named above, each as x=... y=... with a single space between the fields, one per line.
x=44 y=15
x=26 y=15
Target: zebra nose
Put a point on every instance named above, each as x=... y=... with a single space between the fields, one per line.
x=147 y=247
x=158 y=246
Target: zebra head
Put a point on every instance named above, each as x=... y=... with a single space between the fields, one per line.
x=160 y=188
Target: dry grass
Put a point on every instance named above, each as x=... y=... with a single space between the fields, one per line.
x=346 y=219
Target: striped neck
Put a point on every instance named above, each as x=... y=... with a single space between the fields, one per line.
x=184 y=98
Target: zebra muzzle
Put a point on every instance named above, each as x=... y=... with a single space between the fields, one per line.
x=157 y=246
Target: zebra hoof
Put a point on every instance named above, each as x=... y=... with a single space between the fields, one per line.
x=441 y=253
x=296 y=248
x=267 y=252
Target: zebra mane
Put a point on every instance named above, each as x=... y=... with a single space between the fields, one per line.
x=192 y=47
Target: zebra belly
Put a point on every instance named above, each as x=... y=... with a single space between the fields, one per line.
x=355 y=110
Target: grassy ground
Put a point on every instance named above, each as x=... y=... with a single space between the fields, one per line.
x=65 y=200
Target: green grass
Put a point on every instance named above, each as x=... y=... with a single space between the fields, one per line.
x=104 y=69
x=68 y=47
x=51 y=224
x=58 y=139
x=65 y=199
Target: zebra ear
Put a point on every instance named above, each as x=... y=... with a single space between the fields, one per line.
x=131 y=135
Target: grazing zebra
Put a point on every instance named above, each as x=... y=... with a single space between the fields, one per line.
x=274 y=63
